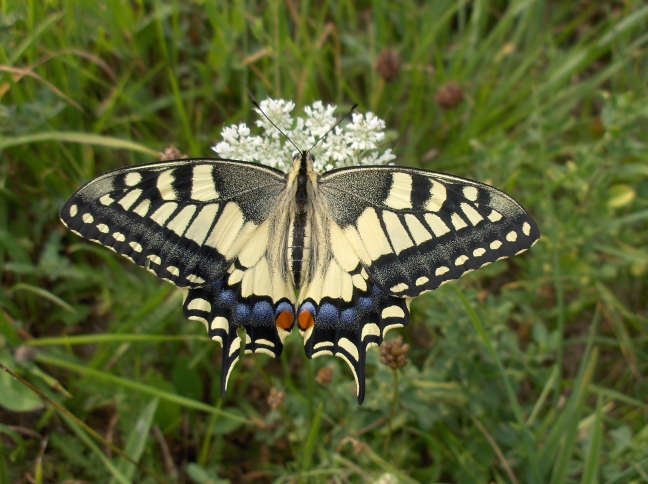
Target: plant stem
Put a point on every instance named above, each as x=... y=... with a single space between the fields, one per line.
x=392 y=412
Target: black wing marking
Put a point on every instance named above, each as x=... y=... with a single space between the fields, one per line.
x=415 y=229
x=183 y=220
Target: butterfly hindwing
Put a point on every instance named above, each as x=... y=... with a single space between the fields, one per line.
x=183 y=220
x=226 y=305
x=341 y=311
x=414 y=230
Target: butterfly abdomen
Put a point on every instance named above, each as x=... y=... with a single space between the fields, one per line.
x=299 y=240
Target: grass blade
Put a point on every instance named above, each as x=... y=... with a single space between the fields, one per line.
x=137 y=440
x=74 y=137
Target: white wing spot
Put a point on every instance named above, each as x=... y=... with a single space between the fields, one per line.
x=143 y=208
x=130 y=198
x=195 y=279
x=441 y=270
x=495 y=216
x=437 y=198
x=220 y=322
x=132 y=179
x=173 y=270
x=225 y=234
x=479 y=252
x=181 y=221
x=73 y=210
x=349 y=347
x=165 y=185
x=417 y=229
x=392 y=312
x=472 y=214
x=399 y=287
x=323 y=344
x=370 y=329
x=136 y=247
x=201 y=224
x=202 y=184
x=495 y=244
x=396 y=232
x=391 y=326
x=470 y=193
x=458 y=222
x=400 y=193
x=200 y=304
x=372 y=235
x=155 y=259
x=265 y=342
x=461 y=260
x=106 y=200
x=511 y=236
x=119 y=237
x=436 y=224
x=526 y=229
x=162 y=214
x=236 y=346
x=422 y=280
x=87 y=218
x=520 y=251
x=199 y=318
x=359 y=282
x=103 y=228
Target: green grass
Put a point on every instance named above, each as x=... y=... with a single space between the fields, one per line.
x=532 y=370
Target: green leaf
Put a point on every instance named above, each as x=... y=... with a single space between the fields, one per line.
x=15 y=396
x=620 y=195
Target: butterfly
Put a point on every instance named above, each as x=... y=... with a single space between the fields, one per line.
x=338 y=254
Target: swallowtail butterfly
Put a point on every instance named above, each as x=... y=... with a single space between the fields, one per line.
x=339 y=254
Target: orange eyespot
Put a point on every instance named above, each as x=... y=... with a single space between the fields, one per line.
x=306 y=320
x=285 y=320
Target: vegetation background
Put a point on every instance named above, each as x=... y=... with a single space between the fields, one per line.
x=532 y=370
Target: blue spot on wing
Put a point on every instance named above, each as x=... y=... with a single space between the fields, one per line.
x=349 y=316
x=242 y=314
x=365 y=303
x=262 y=313
x=308 y=306
x=228 y=297
x=328 y=314
x=283 y=306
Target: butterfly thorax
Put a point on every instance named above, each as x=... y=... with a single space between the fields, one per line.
x=299 y=254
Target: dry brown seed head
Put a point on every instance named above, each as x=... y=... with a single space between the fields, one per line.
x=449 y=95
x=393 y=353
x=388 y=65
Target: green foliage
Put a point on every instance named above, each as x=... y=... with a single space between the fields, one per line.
x=530 y=370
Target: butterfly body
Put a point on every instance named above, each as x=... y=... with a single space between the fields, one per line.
x=339 y=254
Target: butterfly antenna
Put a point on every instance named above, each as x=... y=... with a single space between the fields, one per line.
x=256 y=105
x=334 y=126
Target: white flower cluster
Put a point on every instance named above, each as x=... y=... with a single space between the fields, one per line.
x=352 y=144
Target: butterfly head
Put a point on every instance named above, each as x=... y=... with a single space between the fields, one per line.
x=303 y=161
